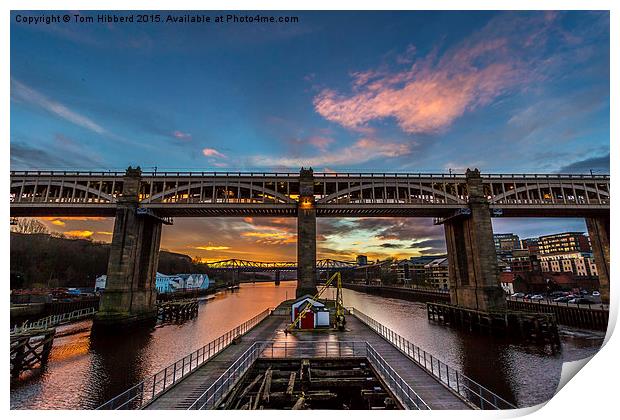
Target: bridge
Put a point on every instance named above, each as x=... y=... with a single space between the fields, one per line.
x=190 y=194
x=142 y=202
x=259 y=266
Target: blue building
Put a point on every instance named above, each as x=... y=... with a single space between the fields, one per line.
x=169 y=283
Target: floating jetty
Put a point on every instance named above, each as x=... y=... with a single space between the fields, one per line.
x=590 y=317
x=177 y=309
x=413 y=293
x=30 y=349
x=531 y=326
x=260 y=364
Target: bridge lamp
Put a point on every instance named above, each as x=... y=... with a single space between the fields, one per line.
x=306 y=203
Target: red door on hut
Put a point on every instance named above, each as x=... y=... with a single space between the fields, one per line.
x=307 y=320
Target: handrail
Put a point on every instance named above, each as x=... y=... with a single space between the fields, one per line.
x=210 y=398
x=217 y=390
x=465 y=387
x=54 y=320
x=551 y=303
x=144 y=392
x=345 y=174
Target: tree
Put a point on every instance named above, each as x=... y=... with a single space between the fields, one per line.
x=29 y=226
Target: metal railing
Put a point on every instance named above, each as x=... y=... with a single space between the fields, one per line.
x=54 y=320
x=273 y=349
x=283 y=349
x=468 y=389
x=401 y=389
x=220 y=387
x=143 y=393
x=550 y=302
x=422 y=289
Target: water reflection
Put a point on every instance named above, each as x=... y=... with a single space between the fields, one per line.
x=85 y=371
x=525 y=373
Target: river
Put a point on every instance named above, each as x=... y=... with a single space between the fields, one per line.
x=84 y=371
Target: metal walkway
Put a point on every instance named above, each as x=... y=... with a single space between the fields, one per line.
x=54 y=320
x=436 y=395
x=183 y=394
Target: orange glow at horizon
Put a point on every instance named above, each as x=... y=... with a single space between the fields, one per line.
x=79 y=233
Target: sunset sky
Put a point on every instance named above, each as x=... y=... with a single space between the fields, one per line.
x=507 y=92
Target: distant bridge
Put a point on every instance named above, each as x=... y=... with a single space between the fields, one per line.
x=258 y=266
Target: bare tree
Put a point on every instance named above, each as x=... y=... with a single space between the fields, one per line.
x=29 y=226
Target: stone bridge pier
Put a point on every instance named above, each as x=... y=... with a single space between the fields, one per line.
x=130 y=293
x=598 y=230
x=306 y=235
x=472 y=260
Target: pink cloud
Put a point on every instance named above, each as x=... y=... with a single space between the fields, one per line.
x=320 y=142
x=363 y=150
x=212 y=153
x=420 y=100
x=427 y=95
x=181 y=135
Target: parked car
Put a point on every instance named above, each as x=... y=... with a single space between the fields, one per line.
x=518 y=295
x=596 y=293
x=537 y=297
x=562 y=299
x=580 y=301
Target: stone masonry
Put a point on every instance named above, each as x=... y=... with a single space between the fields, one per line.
x=130 y=292
x=306 y=235
x=598 y=230
x=472 y=261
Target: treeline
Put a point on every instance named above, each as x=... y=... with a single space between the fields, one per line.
x=43 y=260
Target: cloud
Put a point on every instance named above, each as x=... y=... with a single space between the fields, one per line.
x=25 y=156
x=212 y=153
x=212 y=247
x=426 y=94
x=391 y=246
x=380 y=237
x=598 y=165
x=76 y=218
x=181 y=135
x=22 y=92
x=79 y=233
x=320 y=143
x=58 y=222
x=363 y=150
x=425 y=99
x=105 y=233
x=272 y=238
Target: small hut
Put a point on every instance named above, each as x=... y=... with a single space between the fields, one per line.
x=316 y=317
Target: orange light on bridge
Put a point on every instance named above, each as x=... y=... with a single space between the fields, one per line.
x=306 y=203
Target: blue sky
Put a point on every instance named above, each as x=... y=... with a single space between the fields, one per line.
x=406 y=91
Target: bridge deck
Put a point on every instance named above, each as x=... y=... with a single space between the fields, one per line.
x=430 y=390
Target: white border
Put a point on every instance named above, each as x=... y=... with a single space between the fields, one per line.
x=592 y=394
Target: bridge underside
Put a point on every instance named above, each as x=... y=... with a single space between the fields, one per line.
x=323 y=211
x=36 y=210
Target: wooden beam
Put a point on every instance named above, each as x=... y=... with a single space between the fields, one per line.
x=300 y=404
x=267 y=388
x=260 y=390
x=291 y=384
